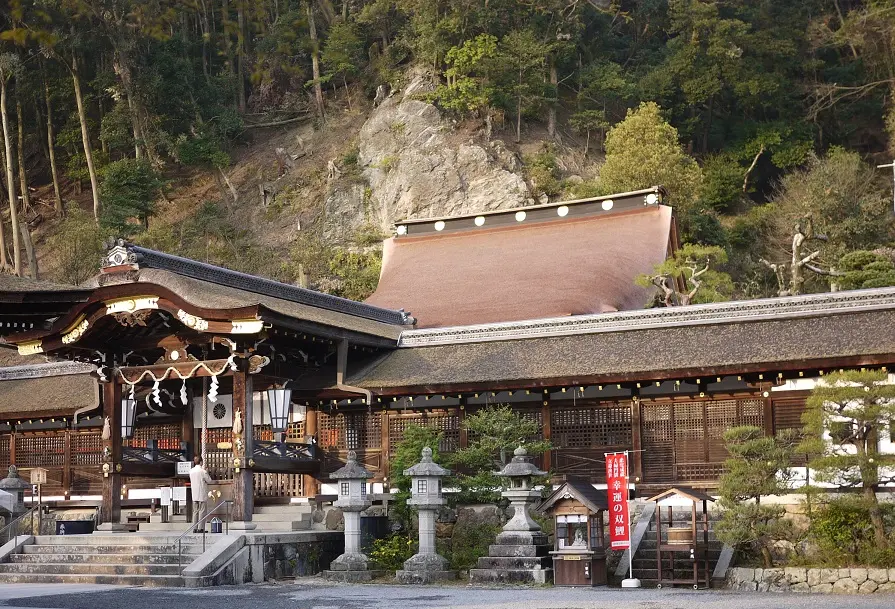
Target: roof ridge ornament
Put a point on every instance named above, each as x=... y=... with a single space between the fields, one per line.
x=119 y=256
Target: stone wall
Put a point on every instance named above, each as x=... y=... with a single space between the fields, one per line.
x=800 y=579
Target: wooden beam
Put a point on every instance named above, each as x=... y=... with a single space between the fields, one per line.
x=132 y=373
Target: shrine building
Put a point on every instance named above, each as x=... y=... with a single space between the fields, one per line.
x=536 y=308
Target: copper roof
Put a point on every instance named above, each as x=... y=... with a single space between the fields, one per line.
x=573 y=265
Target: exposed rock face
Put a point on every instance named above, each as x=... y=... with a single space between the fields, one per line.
x=416 y=169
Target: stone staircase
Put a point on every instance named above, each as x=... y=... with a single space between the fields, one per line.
x=645 y=558
x=269 y=518
x=134 y=560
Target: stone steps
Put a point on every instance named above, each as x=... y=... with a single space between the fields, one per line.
x=99 y=559
x=171 y=581
x=79 y=568
x=511 y=576
x=131 y=560
x=514 y=562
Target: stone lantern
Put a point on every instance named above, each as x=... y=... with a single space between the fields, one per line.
x=15 y=486
x=521 y=553
x=352 y=566
x=426 y=566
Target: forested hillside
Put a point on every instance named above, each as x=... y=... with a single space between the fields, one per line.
x=282 y=137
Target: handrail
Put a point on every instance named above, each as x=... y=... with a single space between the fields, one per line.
x=16 y=522
x=201 y=521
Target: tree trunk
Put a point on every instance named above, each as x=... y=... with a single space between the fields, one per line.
x=23 y=177
x=10 y=182
x=52 y=153
x=551 y=107
x=29 y=250
x=206 y=36
x=85 y=137
x=519 y=110
x=122 y=68
x=315 y=59
x=345 y=11
x=241 y=51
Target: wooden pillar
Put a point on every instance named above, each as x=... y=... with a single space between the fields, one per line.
x=243 y=480
x=547 y=459
x=769 y=417
x=110 y=510
x=309 y=482
x=66 y=462
x=636 y=440
x=12 y=447
x=187 y=430
x=464 y=435
x=385 y=444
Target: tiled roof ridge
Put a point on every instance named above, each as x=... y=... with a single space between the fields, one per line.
x=267 y=287
x=808 y=305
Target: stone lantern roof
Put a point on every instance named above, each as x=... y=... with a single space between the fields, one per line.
x=13 y=482
x=351 y=470
x=520 y=465
x=426 y=466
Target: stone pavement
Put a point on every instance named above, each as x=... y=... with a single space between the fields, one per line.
x=314 y=593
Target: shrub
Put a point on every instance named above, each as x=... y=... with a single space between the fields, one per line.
x=128 y=190
x=844 y=533
x=470 y=541
x=391 y=552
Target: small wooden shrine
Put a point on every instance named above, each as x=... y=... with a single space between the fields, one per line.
x=683 y=546
x=579 y=557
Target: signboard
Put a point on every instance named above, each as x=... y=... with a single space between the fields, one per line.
x=38 y=476
x=617 y=488
x=183 y=468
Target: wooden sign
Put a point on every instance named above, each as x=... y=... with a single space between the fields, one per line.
x=38 y=476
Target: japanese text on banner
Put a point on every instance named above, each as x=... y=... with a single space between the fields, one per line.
x=617 y=489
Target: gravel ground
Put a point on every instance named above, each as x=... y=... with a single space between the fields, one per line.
x=317 y=594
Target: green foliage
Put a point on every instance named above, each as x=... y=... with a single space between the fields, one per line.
x=722 y=187
x=342 y=54
x=469 y=88
x=758 y=467
x=643 y=150
x=470 y=541
x=844 y=533
x=408 y=453
x=860 y=404
x=357 y=273
x=841 y=195
x=696 y=266
x=863 y=269
x=77 y=246
x=390 y=553
x=129 y=189
x=494 y=433
x=543 y=172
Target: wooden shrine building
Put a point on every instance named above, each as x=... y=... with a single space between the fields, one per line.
x=533 y=307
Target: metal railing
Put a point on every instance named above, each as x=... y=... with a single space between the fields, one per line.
x=202 y=522
x=14 y=528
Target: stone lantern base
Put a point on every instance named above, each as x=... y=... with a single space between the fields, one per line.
x=352 y=569
x=425 y=569
x=517 y=557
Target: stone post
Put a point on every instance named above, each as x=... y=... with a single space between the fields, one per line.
x=426 y=566
x=521 y=553
x=353 y=564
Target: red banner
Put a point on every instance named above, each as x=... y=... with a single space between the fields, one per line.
x=617 y=488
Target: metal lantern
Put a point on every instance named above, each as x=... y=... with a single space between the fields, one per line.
x=128 y=415
x=279 y=401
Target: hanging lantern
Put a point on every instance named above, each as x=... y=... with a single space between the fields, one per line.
x=279 y=401
x=128 y=415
